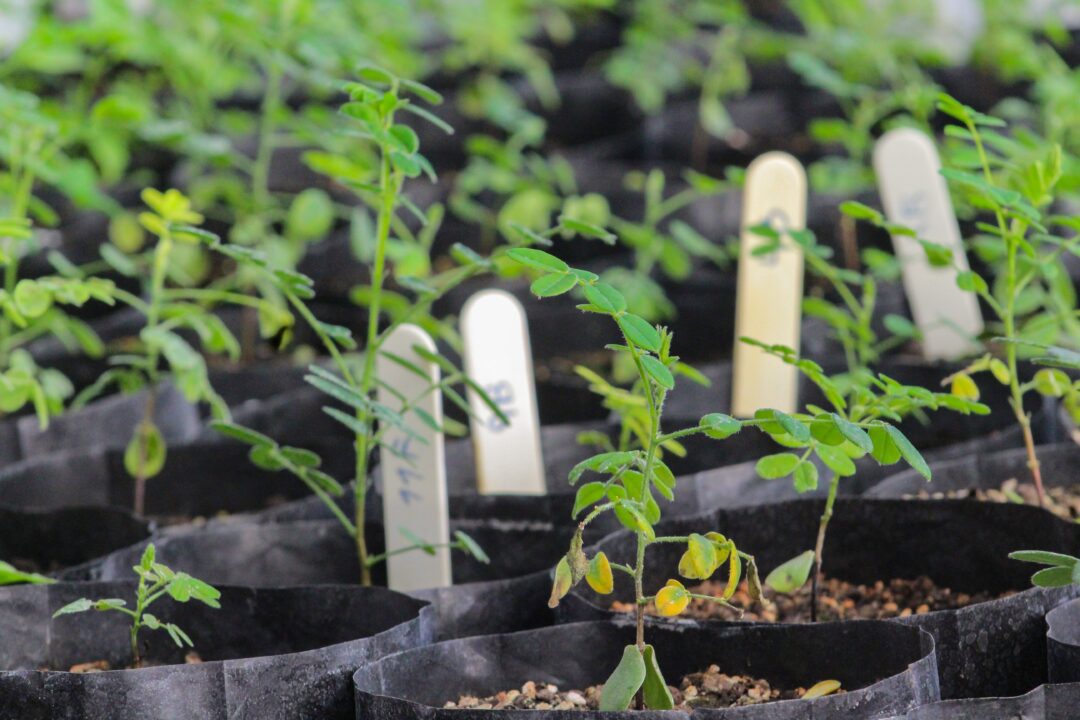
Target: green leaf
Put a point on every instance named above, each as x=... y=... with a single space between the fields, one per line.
x=719 y=426
x=796 y=429
x=311 y=215
x=907 y=451
x=607 y=462
x=971 y=281
x=640 y=332
x=538 y=260
x=605 y=297
x=885 y=450
x=775 y=466
x=1044 y=557
x=241 y=433
x=145 y=454
x=793 y=574
x=806 y=477
x=1051 y=382
x=1053 y=577
x=853 y=433
x=471 y=547
x=655 y=690
x=836 y=460
x=78 y=606
x=658 y=371
x=587 y=494
x=552 y=285
x=32 y=299
x=10 y=575
x=624 y=682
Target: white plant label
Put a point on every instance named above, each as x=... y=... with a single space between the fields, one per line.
x=498 y=358
x=768 y=299
x=413 y=467
x=915 y=194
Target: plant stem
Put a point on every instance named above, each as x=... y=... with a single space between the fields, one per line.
x=389 y=186
x=819 y=547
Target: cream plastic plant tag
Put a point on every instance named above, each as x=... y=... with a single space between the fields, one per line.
x=499 y=359
x=915 y=194
x=413 y=468
x=768 y=301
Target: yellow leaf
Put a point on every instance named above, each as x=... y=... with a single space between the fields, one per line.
x=672 y=599
x=599 y=575
x=823 y=688
x=563 y=581
x=963 y=386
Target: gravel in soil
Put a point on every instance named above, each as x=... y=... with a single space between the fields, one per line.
x=708 y=689
x=838 y=600
x=95 y=666
x=1062 y=501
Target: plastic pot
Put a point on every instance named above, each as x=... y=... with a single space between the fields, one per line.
x=986 y=469
x=199 y=480
x=1047 y=702
x=885 y=668
x=1063 y=643
x=286 y=653
x=486 y=598
x=989 y=648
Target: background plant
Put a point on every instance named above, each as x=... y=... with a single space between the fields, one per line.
x=155 y=581
x=1031 y=296
x=163 y=350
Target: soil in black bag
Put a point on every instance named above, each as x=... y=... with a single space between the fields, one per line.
x=883 y=668
x=708 y=689
x=997 y=477
x=993 y=645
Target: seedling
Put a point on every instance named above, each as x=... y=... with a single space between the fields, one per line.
x=168 y=310
x=31 y=152
x=1015 y=184
x=631 y=477
x=858 y=423
x=375 y=102
x=155 y=581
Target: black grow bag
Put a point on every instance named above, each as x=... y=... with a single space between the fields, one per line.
x=985 y=470
x=486 y=598
x=1047 y=702
x=47 y=541
x=1063 y=643
x=884 y=669
x=198 y=480
x=267 y=654
x=991 y=648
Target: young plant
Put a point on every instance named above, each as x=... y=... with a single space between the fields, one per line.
x=632 y=479
x=155 y=581
x=849 y=313
x=373 y=109
x=662 y=242
x=859 y=421
x=168 y=310
x=1031 y=297
x=31 y=152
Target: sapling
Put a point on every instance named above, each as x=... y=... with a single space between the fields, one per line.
x=32 y=152
x=155 y=581
x=167 y=311
x=375 y=102
x=1061 y=570
x=631 y=477
x=1031 y=296
x=859 y=421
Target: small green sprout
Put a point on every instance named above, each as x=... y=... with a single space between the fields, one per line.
x=1061 y=571
x=155 y=581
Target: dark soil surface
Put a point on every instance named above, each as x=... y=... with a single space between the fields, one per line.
x=708 y=689
x=1062 y=501
x=839 y=600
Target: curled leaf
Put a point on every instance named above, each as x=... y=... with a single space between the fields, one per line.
x=562 y=584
